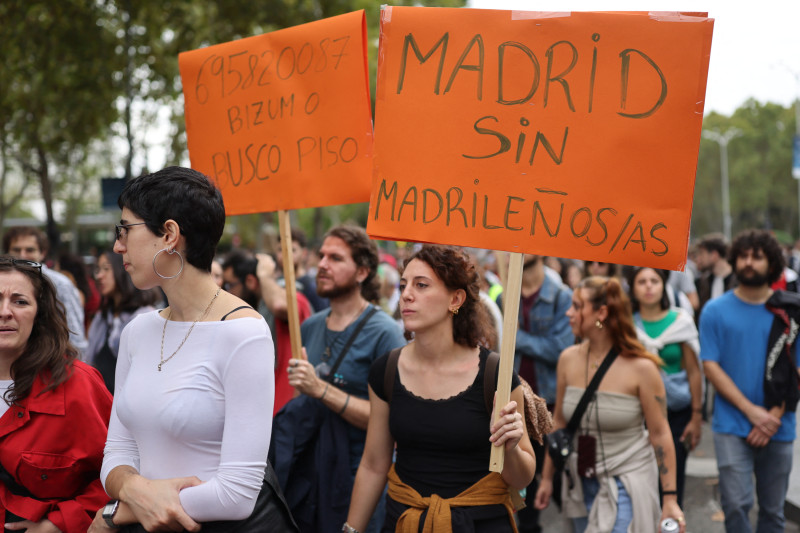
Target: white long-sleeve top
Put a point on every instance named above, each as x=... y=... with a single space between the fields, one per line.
x=208 y=413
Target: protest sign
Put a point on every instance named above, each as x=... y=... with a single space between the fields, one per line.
x=566 y=134
x=282 y=120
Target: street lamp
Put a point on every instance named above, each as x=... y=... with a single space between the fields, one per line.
x=723 y=139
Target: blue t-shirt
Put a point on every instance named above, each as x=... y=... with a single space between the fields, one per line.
x=380 y=335
x=734 y=334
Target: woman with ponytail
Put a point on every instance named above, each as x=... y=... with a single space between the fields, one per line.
x=611 y=478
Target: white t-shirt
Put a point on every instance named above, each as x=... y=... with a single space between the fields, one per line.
x=208 y=413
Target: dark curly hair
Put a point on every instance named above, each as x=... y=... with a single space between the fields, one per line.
x=185 y=196
x=472 y=325
x=365 y=254
x=756 y=239
x=48 y=353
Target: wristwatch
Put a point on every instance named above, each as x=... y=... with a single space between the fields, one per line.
x=108 y=513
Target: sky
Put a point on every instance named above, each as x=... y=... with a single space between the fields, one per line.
x=754 y=53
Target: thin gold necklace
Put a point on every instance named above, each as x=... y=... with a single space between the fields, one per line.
x=164 y=331
x=595 y=363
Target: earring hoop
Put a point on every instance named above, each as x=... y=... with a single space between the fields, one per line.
x=169 y=252
x=598 y=324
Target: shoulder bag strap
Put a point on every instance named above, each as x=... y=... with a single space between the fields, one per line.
x=590 y=390
x=12 y=486
x=391 y=372
x=351 y=340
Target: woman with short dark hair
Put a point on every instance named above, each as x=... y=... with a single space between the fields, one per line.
x=190 y=429
x=54 y=413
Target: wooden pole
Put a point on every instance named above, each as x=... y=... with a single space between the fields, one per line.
x=510 y=319
x=501 y=258
x=285 y=228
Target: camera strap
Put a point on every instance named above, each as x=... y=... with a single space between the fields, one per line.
x=588 y=394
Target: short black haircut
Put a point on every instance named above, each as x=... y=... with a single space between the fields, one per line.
x=185 y=196
x=714 y=242
x=756 y=239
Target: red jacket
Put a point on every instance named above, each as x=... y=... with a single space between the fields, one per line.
x=52 y=444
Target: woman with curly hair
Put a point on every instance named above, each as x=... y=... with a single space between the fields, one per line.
x=438 y=416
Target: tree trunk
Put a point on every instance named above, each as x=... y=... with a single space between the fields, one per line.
x=43 y=171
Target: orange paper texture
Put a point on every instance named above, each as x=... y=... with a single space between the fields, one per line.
x=282 y=120
x=572 y=135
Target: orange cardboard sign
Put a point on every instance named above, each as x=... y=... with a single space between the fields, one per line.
x=566 y=134
x=282 y=120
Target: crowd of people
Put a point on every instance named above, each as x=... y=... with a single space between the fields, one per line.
x=386 y=420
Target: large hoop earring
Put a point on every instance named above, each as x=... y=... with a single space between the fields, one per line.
x=170 y=252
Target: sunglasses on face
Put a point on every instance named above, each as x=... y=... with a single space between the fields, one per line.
x=21 y=262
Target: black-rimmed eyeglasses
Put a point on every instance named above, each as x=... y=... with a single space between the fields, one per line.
x=21 y=262
x=120 y=234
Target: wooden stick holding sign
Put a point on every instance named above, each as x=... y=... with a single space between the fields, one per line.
x=292 y=315
x=501 y=258
x=510 y=318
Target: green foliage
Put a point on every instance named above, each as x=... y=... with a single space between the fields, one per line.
x=57 y=92
x=763 y=192
x=163 y=29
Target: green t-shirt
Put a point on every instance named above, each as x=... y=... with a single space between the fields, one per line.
x=671 y=353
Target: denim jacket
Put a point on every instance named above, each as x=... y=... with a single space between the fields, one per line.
x=548 y=336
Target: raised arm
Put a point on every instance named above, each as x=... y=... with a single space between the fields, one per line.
x=274 y=295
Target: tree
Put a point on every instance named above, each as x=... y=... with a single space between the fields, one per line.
x=72 y=67
x=56 y=88
x=163 y=29
x=762 y=190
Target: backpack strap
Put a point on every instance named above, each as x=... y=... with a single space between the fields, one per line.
x=490 y=380
x=389 y=375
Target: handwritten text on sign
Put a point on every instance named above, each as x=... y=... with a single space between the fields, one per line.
x=281 y=120
x=573 y=135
